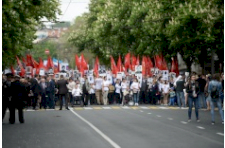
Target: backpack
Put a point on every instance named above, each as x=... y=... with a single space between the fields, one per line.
x=214 y=92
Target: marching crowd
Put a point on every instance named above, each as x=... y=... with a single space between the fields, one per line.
x=45 y=92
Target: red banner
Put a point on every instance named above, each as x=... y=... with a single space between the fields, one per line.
x=113 y=66
x=127 y=61
x=23 y=72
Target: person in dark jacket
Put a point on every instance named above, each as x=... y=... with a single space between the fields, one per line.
x=154 y=91
x=180 y=91
x=35 y=90
x=193 y=92
x=62 y=91
x=143 y=91
x=50 y=91
x=6 y=93
x=201 y=96
x=19 y=92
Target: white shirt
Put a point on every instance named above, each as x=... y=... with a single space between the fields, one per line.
x=76 y=92
x=98 y=85
x=165 y=88
x=160 y=86
x=105 y=85
x=92 y=89
x=71 y=85
x=124 y=86
x=135 y=87
x=118 y=87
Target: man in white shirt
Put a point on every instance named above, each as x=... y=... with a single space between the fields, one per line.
x=98 y=92
x=105 y=90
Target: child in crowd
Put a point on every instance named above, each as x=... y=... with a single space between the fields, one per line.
x=172 y=96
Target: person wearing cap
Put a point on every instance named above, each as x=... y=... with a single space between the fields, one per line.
x=6 y=93
x=19 y=92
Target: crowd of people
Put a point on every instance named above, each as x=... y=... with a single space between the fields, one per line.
x=45 y=92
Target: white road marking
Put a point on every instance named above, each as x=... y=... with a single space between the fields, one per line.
x=97 y=130
x=221 y=134
x=126 y=107
x=163 y=107
x=88 y=108
x=50 y=109
x=29 y=110
x=170 y=118
x=158 y=115
x=144 y=107
x=183 y=122
x=106 y=107
x=149 y=113
x=200 y=127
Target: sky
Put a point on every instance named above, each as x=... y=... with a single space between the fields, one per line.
x=72 y=8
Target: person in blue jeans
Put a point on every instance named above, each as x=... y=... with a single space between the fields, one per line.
x=172 y=97
x=201 y=96
x=193 y=91
x=135 y=88
x=214 y=90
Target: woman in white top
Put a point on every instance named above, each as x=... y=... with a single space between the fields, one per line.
x=135 y=86
x=165 y=91
x=117 y=91
x=92 y=93
x=124 y=87
x=70 y=87
x=105 y=90
x=76 y=92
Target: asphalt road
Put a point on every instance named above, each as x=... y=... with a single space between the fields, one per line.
x=113 y=127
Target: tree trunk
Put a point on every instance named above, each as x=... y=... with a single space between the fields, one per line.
x=188 y=64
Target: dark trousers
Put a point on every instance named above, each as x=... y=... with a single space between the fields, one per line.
x=51 y=101
x=34 y=101
x=190 y=103
x=13 y=106
x=43 y=101
x=61 y=100
x=111 y=97
x=70 y=97
x=143 y=97
x=86 y=98
x=92 y=99
x=152 y=98
x=5 y=105
x=117 y=98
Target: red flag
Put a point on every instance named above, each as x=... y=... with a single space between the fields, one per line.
x=124 y=70
x=78 y=63
x=49 y=63
x=164 y=64
x=36 y=64
x=149 y=66
x=119 y=64
x=23 y=72
x=174 y=66
x=137 y=61
x=84 y=63
x=113 y=66
x=127 y=61
x=143 y=63
x=158 y=62
x=12 y=70
x=29 y=61
x=133 y=63
x=96 y=67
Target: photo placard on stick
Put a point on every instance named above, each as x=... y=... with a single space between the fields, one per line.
x=165 y=74
x=138 y=69
x=91 y=79
x=109 y=78
x=42 y=72
x=119 y=76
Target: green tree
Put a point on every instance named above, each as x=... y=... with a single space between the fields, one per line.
x=20 y=19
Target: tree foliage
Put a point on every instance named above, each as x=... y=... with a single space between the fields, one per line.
x=193 y=28
x=20 y=19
